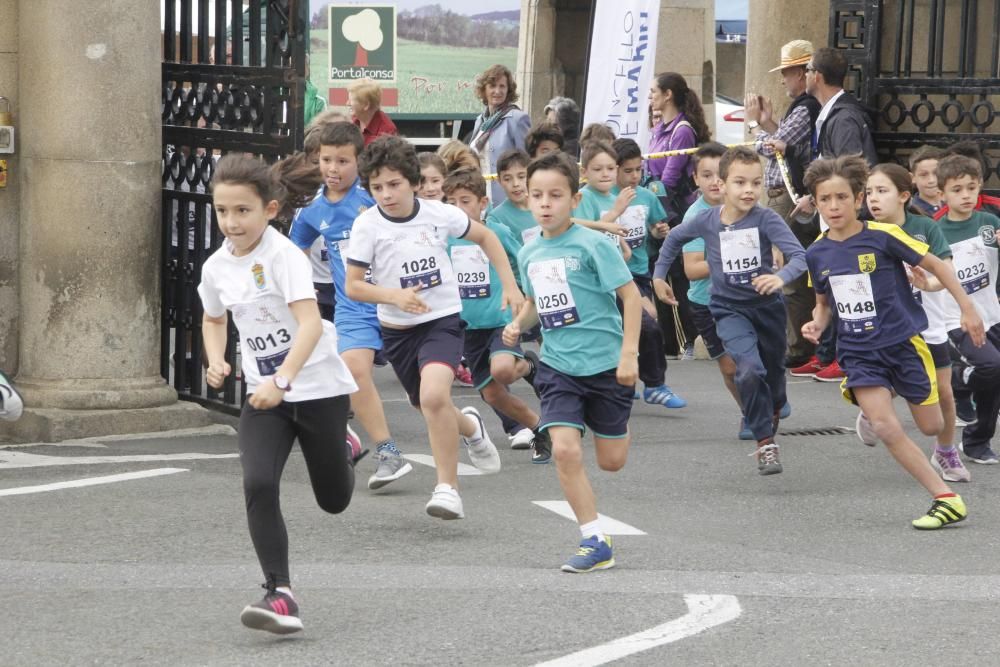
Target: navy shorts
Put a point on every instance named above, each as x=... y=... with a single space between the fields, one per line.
x=594 y=401
x=703 y=321
x=905 y=368
x=409 y=350
x=480 y=346
x=941 y=354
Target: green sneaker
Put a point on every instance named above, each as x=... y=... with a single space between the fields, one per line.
x=943 y=512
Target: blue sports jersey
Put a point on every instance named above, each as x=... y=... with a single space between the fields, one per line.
x=333 y=221
x=866 y=286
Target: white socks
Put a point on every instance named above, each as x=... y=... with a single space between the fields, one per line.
x=592 y=528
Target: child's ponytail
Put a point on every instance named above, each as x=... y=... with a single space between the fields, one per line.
x=293 y=182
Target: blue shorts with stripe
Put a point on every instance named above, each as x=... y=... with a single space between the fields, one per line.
x=905 y=368
x=594 y=401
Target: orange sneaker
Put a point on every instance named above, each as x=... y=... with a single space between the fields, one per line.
x=808 y=369
x=831 y=373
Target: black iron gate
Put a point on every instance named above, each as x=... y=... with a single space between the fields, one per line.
x=233 y=81
x=930 y=67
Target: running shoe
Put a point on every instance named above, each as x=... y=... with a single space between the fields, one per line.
x=277 y=613
x=942 y=512
x=463 y=376
x=808 y=369
x=985 y=456
x=949 y=465
x=541 y=448
x=389 y=468
x=522 y=439
x=637 y=394
x=786 y=410
x=11 y=403
x=354 y=450
x=745 y=432
x=965 y=411
x=865 y=430
x=688 y=354
x=830 y=373
x=445 y=503
x=482 y=454
x=592 y=554
x=533 y=360
x=768 y=462
x=663 y=395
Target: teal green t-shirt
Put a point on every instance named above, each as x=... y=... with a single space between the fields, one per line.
x=925 y=229
x=638 y=220
x=478 y=282
x=519 y=221
x=698 y=291
x=572 y=279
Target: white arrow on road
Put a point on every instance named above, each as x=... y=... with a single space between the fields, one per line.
x=464 y=469
x=610 y=526
x=12 y=459
x=90 y=481
x=704 y=612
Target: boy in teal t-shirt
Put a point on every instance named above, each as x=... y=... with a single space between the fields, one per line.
x=513 y=213
x=612 y=198
x=494 y=366
x=588 y=369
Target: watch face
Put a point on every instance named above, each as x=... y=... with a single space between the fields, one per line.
x=281 y=382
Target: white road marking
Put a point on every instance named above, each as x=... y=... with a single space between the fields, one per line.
x=611 y=526
x=704 y=612
x=464 y=469
x=12 y=459
x=90 y=481
x=216 y=429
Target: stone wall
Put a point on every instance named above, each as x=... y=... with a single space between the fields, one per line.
x=9 y=196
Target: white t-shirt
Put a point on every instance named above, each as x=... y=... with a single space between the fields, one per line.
x=409 y=252
x=319 y=258
x=257 y=288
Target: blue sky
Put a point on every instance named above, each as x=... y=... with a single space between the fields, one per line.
x=731 y=10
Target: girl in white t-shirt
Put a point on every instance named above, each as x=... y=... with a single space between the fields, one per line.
x=297 y=385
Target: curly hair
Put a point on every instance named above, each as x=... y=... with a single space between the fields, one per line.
x=389 y=152
x=492 y=75
x=543 y=131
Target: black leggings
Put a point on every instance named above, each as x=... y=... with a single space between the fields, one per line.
x=265 y=441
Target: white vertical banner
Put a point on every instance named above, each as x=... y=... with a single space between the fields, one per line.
x=622 y=55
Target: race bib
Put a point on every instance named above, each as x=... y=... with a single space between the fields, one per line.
x=970 y=261
x=553 y=296
x=740 y=255
x=855 y=302
x=342 y=247
x=265 y=335
x=633 y=220
x=423 y=272
x=530 y=234
x=472 y=269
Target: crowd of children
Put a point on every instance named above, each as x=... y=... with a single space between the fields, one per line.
x=425 y=274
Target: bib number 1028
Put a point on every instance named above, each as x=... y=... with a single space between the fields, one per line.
x=417 y=265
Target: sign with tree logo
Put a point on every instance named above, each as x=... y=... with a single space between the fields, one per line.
x=362 y=42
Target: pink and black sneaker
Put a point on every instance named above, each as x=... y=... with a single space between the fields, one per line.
x=277 y=613
x=355 y=452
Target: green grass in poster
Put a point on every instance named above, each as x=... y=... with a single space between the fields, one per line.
x=431 y=78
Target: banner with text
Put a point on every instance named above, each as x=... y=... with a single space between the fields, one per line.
x=622 y=55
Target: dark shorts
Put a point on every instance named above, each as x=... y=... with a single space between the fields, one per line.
x=594 y=401
x=480 y=346
x=941 y=354
x=703 y=321
x=645 y=285
x=409 y=350
x=905 y=368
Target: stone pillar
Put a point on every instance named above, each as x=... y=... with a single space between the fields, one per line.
x=9 y=203
x=89 y=145
x=773 y=23
x=537 y=79
x=686 y=45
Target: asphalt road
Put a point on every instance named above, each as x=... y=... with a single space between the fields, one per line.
x=816 y=566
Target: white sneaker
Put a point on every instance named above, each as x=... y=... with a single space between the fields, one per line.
x=11 y=404
x=445 y=503
x=483 y=454
x=522 y=439
x=866 y=432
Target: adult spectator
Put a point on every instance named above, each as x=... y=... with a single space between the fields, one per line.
x=364 y=96
x=502 y=125
x=565 y=113
x=792 y=135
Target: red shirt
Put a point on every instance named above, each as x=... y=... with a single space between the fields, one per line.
x=377 y=126
x=988 y=202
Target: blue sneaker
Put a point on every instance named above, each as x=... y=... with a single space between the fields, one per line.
x=786 y=410
x=745 y=432
x=662 y=395
x=593 y=554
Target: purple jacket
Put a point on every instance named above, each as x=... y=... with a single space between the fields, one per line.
x=667 y=138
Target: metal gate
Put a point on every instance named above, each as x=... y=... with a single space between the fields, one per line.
x=931 y=68
x=233 y=80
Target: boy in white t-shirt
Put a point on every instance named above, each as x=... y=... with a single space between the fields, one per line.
x=404 y=242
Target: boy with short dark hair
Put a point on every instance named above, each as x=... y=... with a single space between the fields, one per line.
x=541 y=139
x=745 y=292
x=923 y=169
x=403 y=242
x=513 y=213
x=588 y=369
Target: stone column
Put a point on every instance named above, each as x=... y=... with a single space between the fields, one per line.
x=89 y=145
x=686 y=45
x=773 y=23
x=9 y=195
x=537 y=77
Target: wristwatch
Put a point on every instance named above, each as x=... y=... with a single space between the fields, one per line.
x=282 y=383
x=753 y=125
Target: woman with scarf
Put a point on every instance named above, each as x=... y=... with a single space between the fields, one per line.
x=502 y=126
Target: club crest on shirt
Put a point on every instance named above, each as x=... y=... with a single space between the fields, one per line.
x=988 y=235
x=258 y=276
x=866 y=262
x=573 y=263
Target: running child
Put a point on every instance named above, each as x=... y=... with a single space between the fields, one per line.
x=745 y=294
x=971 y=233
x=543 y=138
x=588 y=369
x=432 y=173
x=513 y=212
x=887 y=195
x=857 y=267
x=297 y=385
x=332 y=216
x=403 y=242
x=494 y=365
x=923 y=170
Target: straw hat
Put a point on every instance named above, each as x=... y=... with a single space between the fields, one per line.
x=795 y=54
